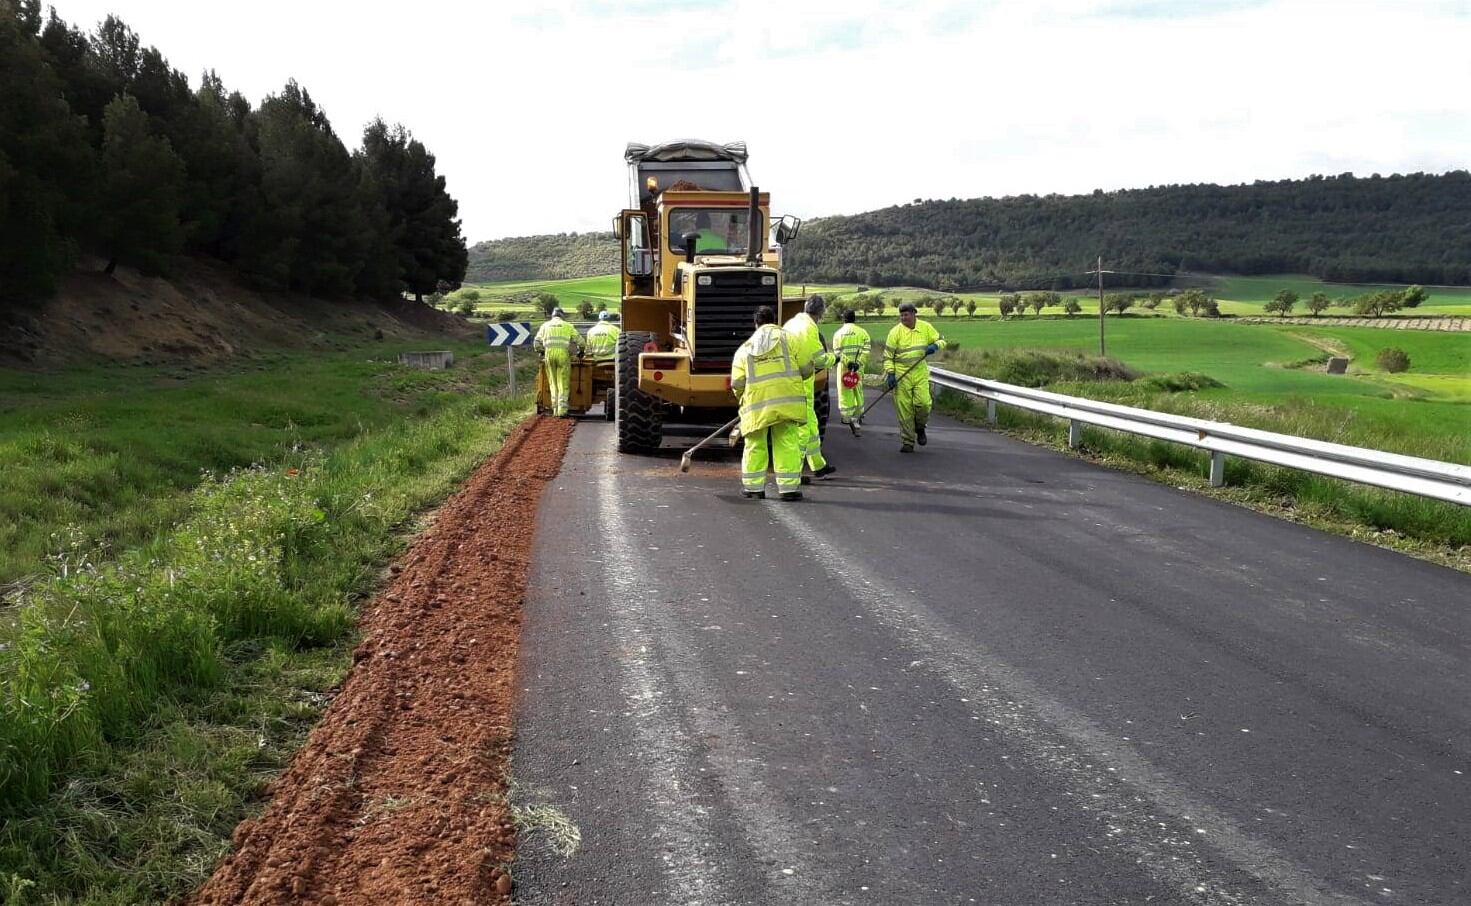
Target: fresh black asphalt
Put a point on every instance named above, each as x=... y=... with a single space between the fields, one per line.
x=982 y=673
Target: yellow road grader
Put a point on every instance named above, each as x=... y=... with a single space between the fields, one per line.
x=697 y=260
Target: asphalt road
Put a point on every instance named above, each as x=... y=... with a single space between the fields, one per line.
x=981 y=673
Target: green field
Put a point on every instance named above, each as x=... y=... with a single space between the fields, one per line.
x=1424 y=412
x=1257 y=291
x=1237 y=295
x=113 y=451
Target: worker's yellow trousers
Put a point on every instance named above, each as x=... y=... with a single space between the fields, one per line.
x=558 y=367
x=912 y=403
x=780 y=448
x=811 y=436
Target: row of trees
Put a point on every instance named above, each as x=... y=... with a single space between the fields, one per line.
x=105 y=148
x=1368 y=305
x=1397 y=229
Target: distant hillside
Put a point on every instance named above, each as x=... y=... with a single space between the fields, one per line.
x=1396 y=229
x=554 y=257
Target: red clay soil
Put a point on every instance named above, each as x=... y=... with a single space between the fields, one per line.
x=399 y=795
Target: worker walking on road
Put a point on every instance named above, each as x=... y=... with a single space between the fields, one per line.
x=555 y=341
x=809 y=348
x=907 y=374
x=602 y=339
x=850 y=345
x=767 y=374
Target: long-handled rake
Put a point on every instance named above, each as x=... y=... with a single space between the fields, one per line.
x=887 y=390
x=684 y=461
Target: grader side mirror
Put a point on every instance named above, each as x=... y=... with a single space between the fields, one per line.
x=787 y=229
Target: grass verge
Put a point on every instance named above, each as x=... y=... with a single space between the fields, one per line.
x=1428 y=528
x=145 y=701
x=115 y=450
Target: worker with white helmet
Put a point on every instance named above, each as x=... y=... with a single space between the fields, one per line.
x=602 y=339
x=555 y=341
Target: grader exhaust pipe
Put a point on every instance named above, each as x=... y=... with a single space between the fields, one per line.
x=753 y=219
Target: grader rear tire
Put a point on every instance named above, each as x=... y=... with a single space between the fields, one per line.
x=640 y=417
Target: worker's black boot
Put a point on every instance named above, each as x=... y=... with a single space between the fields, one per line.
x=757 y=495
x=825 y=472
x=919 y=435
x=791 y=495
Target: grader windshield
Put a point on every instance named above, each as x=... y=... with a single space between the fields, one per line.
x=719 y=231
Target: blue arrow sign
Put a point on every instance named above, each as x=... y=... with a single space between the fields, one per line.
x=510 y=333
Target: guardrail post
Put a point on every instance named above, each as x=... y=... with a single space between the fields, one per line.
x=1218 y=469
x=990 y=412
x=1074 y=433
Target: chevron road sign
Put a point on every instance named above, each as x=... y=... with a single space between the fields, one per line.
x=511 y=333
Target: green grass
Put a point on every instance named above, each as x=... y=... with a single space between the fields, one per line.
x=114 y=451
x=1430 y=352
x=1257 y=291
x=1425 y=412
x=147 y=696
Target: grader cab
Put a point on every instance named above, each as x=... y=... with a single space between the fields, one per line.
x=697 y=262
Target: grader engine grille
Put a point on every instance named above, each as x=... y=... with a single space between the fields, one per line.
x=723 y=312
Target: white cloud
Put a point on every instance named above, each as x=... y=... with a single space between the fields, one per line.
x=849 y=106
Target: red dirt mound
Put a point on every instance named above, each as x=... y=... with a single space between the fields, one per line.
x=399 y=795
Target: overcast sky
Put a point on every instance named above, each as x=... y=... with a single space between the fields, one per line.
x=851 y=105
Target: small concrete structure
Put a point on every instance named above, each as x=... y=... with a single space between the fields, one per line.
x=1338 y=365
x=429 y=361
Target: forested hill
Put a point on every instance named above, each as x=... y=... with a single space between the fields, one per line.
x=1396 y=229
x=106 y=150
x=554 y=257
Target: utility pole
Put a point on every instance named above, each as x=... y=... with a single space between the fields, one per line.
x=1102 y=350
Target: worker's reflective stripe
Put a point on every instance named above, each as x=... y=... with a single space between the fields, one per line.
x=752 y=371
x=753 y=476
x=555 y=342
x=788 y=476
x=774 y=402
x=738 y=385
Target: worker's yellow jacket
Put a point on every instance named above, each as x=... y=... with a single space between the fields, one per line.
x=809 y=341
x=904 y=347
x=602 y=340
x=850 y=344
x=555 y=335
x=768 y=374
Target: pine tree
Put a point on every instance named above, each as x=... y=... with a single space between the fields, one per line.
x=431 y=252
x=309 y=233
x=45 y=161
x=142 y=179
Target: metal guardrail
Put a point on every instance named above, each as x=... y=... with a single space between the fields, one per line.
x=1411 y=474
